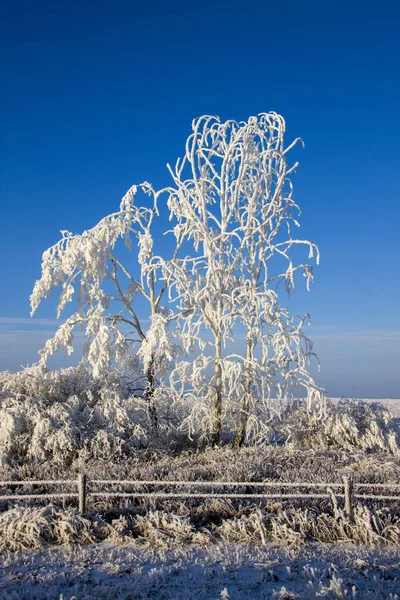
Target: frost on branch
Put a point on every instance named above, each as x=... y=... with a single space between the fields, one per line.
x=158 y=337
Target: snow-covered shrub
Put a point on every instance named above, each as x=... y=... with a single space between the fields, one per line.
x=246 y=529
x=352 y=424
x=14 y=434
x=121 y=530
x=69 y=527
x=60 y=384
x=25 y=528
x=163 y=529
x=65 y=415
x=294 y=527
x=41 y=421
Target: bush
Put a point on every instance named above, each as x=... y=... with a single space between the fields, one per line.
x=26 y=528
x=63 y=415
x=350 y=425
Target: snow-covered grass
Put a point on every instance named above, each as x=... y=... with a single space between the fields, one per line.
x=220 y=571
x=252 y=463
x=156 y=523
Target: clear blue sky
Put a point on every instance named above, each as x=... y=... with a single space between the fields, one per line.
x=97 y=96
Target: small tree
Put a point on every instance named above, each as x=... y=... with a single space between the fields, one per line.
x=88 y=270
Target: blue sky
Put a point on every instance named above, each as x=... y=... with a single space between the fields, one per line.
x=97 y=96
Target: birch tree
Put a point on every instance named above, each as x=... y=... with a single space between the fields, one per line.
x=232 y=197
x=88 y=270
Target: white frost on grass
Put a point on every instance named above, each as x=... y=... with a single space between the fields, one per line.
x=221 y=571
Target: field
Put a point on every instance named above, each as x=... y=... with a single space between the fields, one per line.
x=207 y=549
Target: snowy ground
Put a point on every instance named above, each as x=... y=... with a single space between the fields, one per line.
x=221 y=571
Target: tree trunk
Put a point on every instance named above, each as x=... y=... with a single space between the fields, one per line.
x=217 y=407
x=244 y=412
x=150 y=387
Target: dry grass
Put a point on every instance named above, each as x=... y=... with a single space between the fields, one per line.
x=25 y=528
x=175 y=525
x=262 y=463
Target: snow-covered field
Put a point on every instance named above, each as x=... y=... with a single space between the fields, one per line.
x=221 y=571
x=138 y=569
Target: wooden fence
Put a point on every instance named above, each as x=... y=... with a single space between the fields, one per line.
x=88 y=490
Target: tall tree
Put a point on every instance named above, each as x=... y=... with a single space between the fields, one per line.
x=232 y=197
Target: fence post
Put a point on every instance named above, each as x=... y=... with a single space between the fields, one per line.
x=348 y=497
x=82 y=492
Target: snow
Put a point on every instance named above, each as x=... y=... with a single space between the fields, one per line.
x=220 y=571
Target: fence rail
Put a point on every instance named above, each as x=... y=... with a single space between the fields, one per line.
x=344 y=490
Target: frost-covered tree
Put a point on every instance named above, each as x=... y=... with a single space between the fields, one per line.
x=88 y=270
x=231 y=201
x=232 y=197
